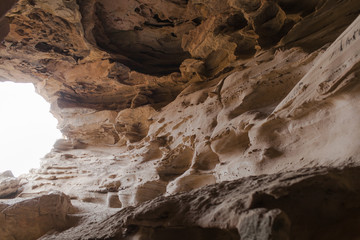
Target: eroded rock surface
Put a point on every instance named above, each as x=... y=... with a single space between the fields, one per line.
x=159 y=98
x=32 y=218
x=9 y=185
x=305 y=204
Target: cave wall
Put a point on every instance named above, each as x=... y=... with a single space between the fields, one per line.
x=160 y=98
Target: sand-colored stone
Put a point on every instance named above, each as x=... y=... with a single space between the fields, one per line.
x=9 y=185
x=32 y=218
x=303 y=204
x=199 y=119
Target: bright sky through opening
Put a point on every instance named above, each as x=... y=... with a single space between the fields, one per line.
x=27 y=128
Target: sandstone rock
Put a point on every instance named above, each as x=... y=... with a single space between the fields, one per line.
x=193 y=69
x=220 y=127
x=6 y=174
x=4 y=24
x=306 y=204
x=32 y=218
x=79 y=126
x=113 y=200
x=133 y=124
x=200 y=119
x=9 y=185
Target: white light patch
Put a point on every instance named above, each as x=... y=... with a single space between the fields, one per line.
x=27 y=128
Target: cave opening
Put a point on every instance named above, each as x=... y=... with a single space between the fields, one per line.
x=27 y=128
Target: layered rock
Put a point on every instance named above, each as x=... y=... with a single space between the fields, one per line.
x=157 y=98
x=9 y=185
x=32 y=218
x=305 y=204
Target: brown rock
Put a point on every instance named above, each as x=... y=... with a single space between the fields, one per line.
x=4 y=24
x=9 y=185
x=113 y=201
x=200 y=119
x=304 y=204
x=32 y=218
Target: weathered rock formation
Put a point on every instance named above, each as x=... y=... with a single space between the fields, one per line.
x=32 y=218
x=230 y=119
x=9 y=185
x=305 y=204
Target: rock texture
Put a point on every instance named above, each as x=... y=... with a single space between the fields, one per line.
x=32 y=218
x=9 y=185
x=4 y=23
x=159 y=98
x=306 y=204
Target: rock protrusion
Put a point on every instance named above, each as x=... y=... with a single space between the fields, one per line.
x=31 y=218
x=9 y=185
